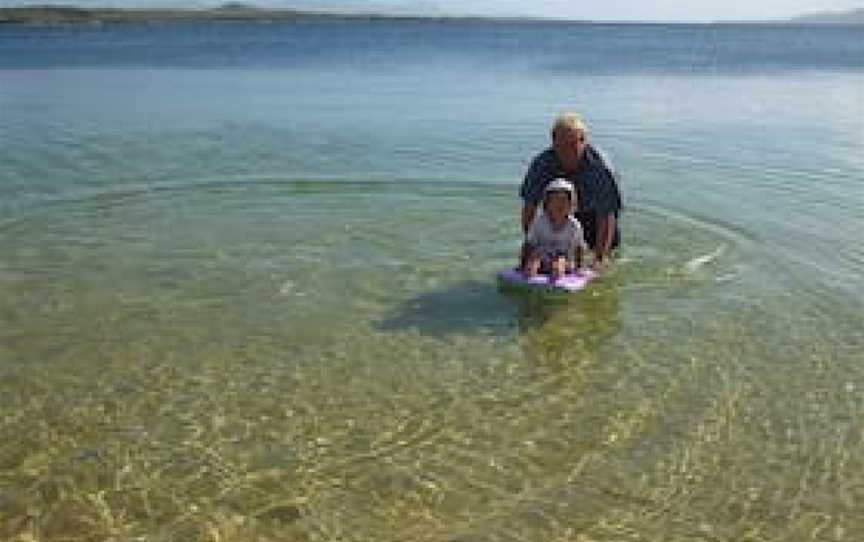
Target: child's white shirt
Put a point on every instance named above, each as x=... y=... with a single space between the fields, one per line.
x=551 y=242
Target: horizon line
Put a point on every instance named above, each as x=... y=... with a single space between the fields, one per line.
x=249 y=9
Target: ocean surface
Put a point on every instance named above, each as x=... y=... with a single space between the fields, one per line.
x=247 y=284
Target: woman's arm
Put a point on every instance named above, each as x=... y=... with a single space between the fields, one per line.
x=605 y=234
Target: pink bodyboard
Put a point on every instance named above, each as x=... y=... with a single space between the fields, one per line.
x=571 y=282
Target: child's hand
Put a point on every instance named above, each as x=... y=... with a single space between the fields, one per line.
x=531 y=268
x=559 y=267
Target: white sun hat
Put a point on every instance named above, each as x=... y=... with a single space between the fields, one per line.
x=562 y=185
x=559 y=185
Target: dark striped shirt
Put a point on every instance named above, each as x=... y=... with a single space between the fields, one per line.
x=594 y=180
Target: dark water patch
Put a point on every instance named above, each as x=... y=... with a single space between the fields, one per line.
x=552 y=47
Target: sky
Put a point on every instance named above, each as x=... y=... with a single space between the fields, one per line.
x=605 y=10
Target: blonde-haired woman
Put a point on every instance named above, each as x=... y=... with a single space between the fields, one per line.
x=571 y=157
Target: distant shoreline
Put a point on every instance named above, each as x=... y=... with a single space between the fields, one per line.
x=66 y=15
x=61 y=15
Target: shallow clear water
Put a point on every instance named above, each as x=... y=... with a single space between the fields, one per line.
x=246 y=285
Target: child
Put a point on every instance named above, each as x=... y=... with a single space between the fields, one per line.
x=554 y=242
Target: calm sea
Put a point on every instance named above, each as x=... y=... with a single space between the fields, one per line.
x=247 y=285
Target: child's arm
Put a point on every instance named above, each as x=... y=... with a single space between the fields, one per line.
x=529 y=260
x=529 y=248
x=525 y=253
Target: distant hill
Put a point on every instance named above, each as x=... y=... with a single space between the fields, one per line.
x=232 y=11
x=855 y=16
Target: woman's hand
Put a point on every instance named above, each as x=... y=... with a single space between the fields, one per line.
x=600 y=264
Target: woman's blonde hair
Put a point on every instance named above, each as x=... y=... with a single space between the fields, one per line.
x=569 y=121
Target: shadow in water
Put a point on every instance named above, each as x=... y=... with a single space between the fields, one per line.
x=467 y=307
x=478 y=307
